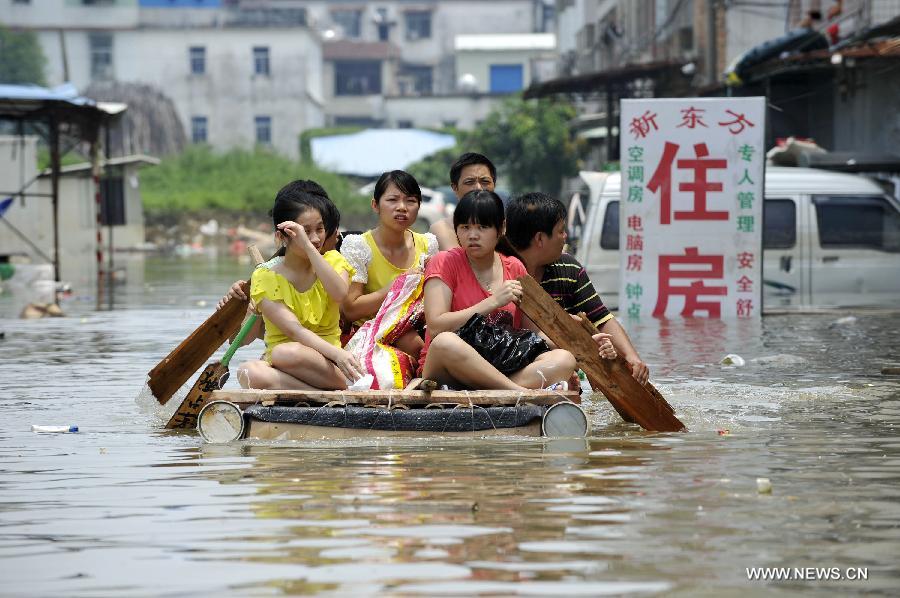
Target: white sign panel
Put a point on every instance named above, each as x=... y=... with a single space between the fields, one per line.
x=691 y=210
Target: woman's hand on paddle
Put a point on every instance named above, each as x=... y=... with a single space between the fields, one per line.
x=235 y=292
x=605 y=346
x=509 y=292
x=347 y=363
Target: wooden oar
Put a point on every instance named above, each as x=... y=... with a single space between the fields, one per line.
x=212 y=378
x=636 y=403
x=172 y=372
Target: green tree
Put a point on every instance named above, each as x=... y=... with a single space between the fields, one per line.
x=530 y=142
x=21 y=58
x=236 y=181
x=432 y=171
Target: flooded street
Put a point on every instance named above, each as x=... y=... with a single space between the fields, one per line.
x=125 y=508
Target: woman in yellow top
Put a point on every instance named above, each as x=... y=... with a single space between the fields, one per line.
x=299 y=293
x=380 y=255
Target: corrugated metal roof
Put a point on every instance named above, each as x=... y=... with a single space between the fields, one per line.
x=141 y=159
x=18 y=101
x=373 y=151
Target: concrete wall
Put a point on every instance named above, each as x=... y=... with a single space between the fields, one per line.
x=449 y=19
x=466 y=111
x=77 y=214
x=18 y=165
x=229 y=94
x=69 y=13
x=867 y=119
x=478 y=63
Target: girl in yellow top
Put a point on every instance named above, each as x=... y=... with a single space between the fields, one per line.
x=380 y=255
x=299 y=294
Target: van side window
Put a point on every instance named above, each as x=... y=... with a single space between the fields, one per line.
x=861 y=222
x=779 y=224
x=609 y=235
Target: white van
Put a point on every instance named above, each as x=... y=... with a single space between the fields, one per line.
x=829 y=240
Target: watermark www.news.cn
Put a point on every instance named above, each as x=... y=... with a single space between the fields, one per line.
x=807 y=573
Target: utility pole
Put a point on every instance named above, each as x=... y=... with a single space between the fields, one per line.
x=65 y=55
x=711 y=42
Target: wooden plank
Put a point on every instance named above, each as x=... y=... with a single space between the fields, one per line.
x=185 y=417
x=612 y=377
x=173 y=371
x=177 y=367
x=592 y=330
x=246 y=397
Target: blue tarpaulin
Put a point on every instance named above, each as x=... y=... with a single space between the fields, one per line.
x=373 y=151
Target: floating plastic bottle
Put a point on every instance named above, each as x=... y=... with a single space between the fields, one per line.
x=54 y=429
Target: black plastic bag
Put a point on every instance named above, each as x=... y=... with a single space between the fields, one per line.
x=504 y=347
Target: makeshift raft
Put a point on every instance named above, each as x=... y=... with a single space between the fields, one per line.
x=333 y=415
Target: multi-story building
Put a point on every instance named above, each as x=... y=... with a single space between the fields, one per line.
x=609 y=49
x=261 y=71
x=237 y=76
x=396 y=62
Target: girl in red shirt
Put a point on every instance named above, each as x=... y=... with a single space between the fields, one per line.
x=475 y=278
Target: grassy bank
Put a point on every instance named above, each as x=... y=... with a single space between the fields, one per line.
x=200 y=180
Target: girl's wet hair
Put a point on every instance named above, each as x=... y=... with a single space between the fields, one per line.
x=404 y=181
x=485 y=208
x=295 y=198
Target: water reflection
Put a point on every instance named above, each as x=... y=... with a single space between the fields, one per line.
x=125 y=508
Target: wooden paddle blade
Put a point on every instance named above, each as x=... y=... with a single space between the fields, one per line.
x=612 y=377
x=657 y=396
x=179 y=365
x=186 y=415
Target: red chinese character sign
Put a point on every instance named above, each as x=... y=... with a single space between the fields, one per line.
x=691 y=209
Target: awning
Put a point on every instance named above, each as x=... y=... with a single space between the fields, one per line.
x=597 y=81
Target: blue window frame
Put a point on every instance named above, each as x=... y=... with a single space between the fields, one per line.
x=506 y=78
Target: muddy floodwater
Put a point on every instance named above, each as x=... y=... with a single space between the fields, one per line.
x=125 y=508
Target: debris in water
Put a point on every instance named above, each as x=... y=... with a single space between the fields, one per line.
x=888 y=370
x=201 y=303
x=732 y=359
x=763 y=486
x=845 y=320
x=723 y=432
x=54 y=429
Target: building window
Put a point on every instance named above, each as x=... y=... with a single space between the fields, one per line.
x=415 y=80
x=506 y=78
x=348 y=20
x=383 y=24
x=198 y=60
x=101 y=45
x=199 y=129
x=357 y=77
x=261 y=60
x=264 y=130
x=97 y=2
x=418 y=25
x=404 y=124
